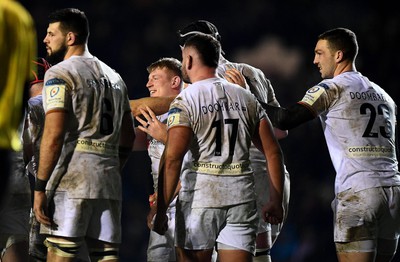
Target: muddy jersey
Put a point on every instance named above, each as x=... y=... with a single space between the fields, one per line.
x=261 y=87
x=95 y=99
x=256 y=81
x=155 y=151
x=358 y=118
x=33 y=133
x=223 y=118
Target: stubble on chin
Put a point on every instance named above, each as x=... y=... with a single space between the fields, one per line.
x=56 y=56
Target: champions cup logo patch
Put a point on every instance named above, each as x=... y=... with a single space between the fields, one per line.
x=54 y=91
x=55 y=94
x=313 y=90
x=173 y=116
x=312 y=95
x=173 y=119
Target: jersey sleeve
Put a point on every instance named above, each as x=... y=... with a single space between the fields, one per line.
x=178 y=114
x=321 y=97
x=55 y=93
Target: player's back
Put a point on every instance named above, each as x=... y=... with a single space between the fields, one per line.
x=223 y=118
x=262 y=89
x=95 y=98
x=359 y=128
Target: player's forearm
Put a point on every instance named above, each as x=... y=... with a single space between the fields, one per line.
x=276 y=175
x=50 y=150
x=51 y=143
x=169 y=185
x=159 y=105
x=172 y=172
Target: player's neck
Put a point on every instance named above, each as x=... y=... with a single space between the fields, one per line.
x=345 y=67
x=203 y=73
x=77 y=50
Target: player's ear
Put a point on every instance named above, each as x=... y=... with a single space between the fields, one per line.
x=339 y=56
x=71 y=38
x=190 y=62
x=176 y=81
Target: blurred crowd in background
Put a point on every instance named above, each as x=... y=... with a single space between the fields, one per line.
x=276 y=36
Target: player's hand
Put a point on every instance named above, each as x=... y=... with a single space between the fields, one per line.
x=272 y=212
x=150 y=216
x=40 y=208
x=160 y=224
x=234 y=76
x=152 y=126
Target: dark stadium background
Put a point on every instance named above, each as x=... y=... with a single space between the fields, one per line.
x=276 y=36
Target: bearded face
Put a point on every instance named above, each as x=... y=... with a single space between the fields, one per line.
x=57 y=55
x=56 y=43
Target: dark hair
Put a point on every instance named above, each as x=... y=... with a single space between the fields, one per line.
x=342 y=39
x=170 y=63
x=199 y=26
x=208 y=48
x=72 y=20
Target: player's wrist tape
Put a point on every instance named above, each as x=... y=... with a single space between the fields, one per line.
x=153 y=199
x=40 y=185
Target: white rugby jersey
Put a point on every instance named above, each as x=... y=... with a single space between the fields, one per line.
x=155 y=151
x=262 y=88
x=96 y=98
x=358 y=118
x=223 y=117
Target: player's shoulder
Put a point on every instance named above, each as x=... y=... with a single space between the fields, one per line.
x=63 y=66
x=330 y=83
x=110 y=71
x=247 y=67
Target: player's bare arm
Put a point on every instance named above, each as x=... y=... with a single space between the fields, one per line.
x=50 y=150
x=159 y=105
x=265 y=140
x=178 y=142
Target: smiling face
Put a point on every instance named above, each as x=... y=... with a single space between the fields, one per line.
x=56 y=43
x=162 y=82
x=324 y=59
